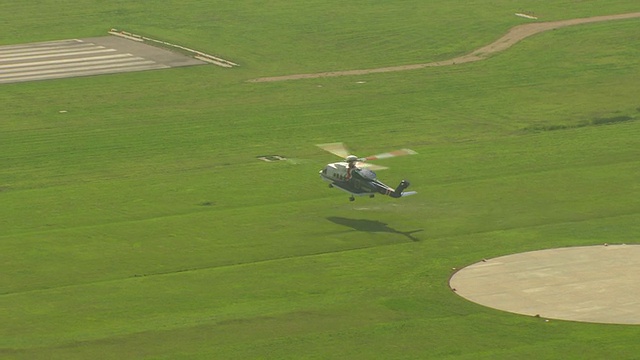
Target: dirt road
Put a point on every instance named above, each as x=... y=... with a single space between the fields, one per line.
x=514 y=35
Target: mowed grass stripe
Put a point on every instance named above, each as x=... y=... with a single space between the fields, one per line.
x=631 y=216
x=200 y=238
x=235 y=295
x=119 y=161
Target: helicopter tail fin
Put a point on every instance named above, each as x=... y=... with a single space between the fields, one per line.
x=398 y=192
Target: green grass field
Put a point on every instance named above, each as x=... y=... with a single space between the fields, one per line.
x=139 y=224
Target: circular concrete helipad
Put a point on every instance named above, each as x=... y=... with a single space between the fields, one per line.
x=597 y=284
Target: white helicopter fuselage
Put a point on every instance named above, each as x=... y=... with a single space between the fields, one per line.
x=335 y=172
x=358 y=181
x=339 y=174
x=356 y=177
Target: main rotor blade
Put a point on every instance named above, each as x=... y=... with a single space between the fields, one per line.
x=335 y=148
x=370 y=166
x=391 y=154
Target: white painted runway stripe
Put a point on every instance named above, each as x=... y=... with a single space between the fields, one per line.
x=57 y=55
x=46 y=48
x=46 y=43
x=75 y=69
x=38 y=63
x=73 y=57
x=72 y=65
x=87 y=73
x=67 y=51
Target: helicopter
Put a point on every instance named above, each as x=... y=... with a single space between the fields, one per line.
x=356 y=177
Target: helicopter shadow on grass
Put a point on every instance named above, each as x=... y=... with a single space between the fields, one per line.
x=371 y=226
